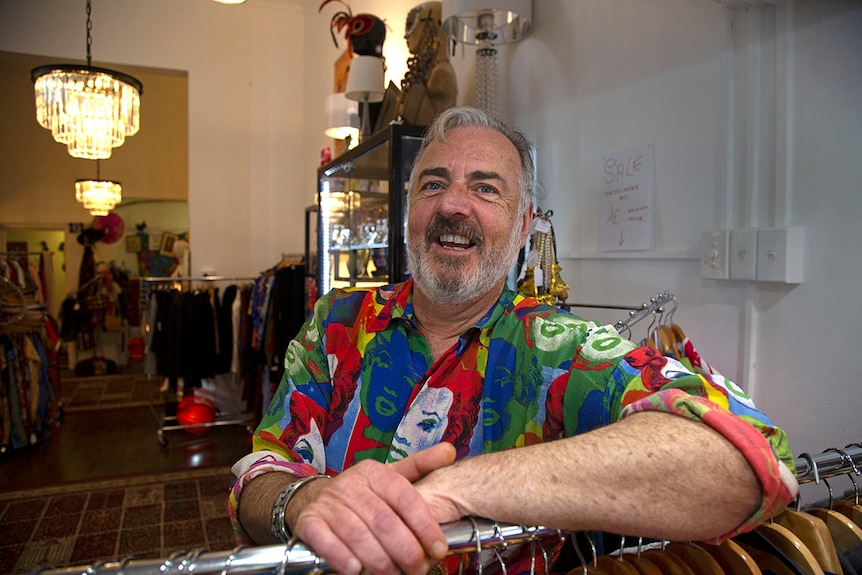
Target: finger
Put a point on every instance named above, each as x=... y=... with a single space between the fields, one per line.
x=412 y=509
x=349 y=544
x=418 y=465
x=314 y=532
x=368 y=524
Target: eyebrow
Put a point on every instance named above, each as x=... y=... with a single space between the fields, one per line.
x=472 y=176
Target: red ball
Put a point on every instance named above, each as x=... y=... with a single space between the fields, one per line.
x=194 y=411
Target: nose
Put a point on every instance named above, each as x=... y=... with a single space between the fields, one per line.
x=455 y=201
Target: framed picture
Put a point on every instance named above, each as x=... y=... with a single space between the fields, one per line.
x=133 y=244
x=166 y=248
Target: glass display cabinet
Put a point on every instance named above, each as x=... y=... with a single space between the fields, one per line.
x=361 y=210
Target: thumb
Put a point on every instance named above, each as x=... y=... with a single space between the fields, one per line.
x=418 y=465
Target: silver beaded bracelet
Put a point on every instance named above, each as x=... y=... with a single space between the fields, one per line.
x=277 y=524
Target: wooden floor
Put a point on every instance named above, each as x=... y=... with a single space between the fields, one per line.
x=119 y=442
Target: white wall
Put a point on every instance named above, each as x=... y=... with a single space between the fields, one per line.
x=755 y=124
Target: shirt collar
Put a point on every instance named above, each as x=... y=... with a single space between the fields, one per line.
x=395 y=302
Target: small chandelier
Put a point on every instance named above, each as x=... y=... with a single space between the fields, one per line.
x=91 y=110
x=98 y=196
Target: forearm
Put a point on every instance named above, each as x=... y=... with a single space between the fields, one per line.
x=255 y=507
x=651 y=474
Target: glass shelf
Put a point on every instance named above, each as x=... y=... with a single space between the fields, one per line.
x=361 y=217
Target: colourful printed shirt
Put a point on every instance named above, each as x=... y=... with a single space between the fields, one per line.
x=360 y=383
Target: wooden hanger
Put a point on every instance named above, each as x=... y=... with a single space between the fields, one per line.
x=814 y=533
x=845 y=533
x=678 y=333
x=849 y=509
x=643 y=566
x=665 y=341
x=701 y=562
x=616 y=565
x=733 y=559
x=791 y=547
x=668 y=563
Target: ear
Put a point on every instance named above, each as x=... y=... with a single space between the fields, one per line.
x=526 y=220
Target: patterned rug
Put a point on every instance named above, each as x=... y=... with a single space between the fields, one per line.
x=109 y=391
x=145 y=517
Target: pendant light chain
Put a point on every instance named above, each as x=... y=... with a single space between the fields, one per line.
x=89 y=35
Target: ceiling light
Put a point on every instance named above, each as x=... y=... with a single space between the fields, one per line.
x=98 y=196
x=91 y=110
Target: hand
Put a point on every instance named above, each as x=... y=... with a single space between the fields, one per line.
x=370 y=517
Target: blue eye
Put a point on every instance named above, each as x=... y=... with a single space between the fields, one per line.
x=485 y=189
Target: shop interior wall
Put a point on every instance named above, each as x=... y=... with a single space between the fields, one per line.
x=755 y=120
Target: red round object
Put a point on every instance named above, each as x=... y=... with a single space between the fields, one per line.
x=113 y=226
x=136 y=349
x=194 y=411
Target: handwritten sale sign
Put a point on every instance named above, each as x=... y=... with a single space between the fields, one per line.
x=627 y=204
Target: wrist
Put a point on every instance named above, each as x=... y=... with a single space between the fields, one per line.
x=278 y=523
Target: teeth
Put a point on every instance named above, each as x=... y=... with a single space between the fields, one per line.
x=453 y=239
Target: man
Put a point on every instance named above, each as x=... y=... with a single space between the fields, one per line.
x=411 y=397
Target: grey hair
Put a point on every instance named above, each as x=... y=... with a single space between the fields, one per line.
x=469 y=117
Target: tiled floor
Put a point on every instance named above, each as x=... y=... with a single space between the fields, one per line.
x=148 y=517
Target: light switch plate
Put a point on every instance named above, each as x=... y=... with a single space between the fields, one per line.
x=743 y=254
x=780 y=255
x=713 y=259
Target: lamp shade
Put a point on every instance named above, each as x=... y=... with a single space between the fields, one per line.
x=342 y=117
x=365 y=79
x=497 y=21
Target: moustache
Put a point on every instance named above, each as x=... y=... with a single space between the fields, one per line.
x=466 y=228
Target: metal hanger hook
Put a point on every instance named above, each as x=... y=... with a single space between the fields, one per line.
x=846 y=456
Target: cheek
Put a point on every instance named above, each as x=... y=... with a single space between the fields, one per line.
x=418 y=219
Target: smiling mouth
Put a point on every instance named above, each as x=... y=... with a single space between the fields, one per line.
x=455 y=242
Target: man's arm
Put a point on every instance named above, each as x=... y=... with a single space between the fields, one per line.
x=651 y=474
x=368 y=517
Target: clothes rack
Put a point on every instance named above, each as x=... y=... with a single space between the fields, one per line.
x=18 y=311
x=464 y=536
x=169 y=422
x=636 y=313
x=655 y=305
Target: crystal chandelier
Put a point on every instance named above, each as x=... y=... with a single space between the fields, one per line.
x=91 y=110
x=98 y=196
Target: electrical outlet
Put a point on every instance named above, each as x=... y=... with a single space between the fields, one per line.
x=743 y=254
x=779 y=255
x=713 y=259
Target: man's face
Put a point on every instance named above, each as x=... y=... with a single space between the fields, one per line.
x=463 y=226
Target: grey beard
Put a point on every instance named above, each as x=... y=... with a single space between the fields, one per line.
x=451 y=285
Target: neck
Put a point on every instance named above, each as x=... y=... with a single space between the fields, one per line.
x=446 y=322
